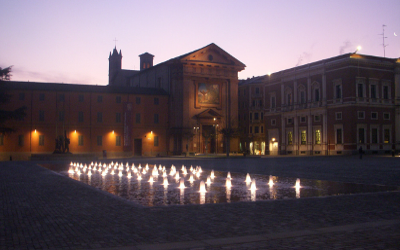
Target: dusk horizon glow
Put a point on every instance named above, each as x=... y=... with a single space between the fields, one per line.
x=70 y=41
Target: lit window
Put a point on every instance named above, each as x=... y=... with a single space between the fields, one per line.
x=290 y=138
x=303 y=137
x=318 y=136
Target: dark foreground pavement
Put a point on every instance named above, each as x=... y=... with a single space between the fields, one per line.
x=41 y=209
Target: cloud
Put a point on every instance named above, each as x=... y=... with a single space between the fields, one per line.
x=346 y=45
x=20 y=74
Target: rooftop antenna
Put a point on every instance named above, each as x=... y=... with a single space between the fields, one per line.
x=383 y=40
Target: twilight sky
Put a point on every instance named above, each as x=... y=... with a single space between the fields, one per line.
x=69 y=41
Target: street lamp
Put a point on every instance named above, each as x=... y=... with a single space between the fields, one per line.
x=195 y=131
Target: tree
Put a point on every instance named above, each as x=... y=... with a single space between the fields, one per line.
x=6 y=115
x=229 y=132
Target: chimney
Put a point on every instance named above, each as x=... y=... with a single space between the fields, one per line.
x=146 y=61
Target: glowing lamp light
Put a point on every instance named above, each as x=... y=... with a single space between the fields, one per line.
x=35 y=131
x=75 y=131
x=113 y=131
x=358 y=48
x=273 y=139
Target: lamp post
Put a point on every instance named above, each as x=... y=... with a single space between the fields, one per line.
x=196 y=129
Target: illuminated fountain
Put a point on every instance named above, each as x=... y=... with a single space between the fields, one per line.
x=297 y=185
x=271 y=181
x=212 y=174
x=248 y=179
x=112 y=172
x=165 y=182
x=151 y=180
x=182 y=184
x=202 y=187
x=191 y=179
x=218 y=189
x=208 y=180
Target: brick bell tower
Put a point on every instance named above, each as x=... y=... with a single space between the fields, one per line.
x=114 y=65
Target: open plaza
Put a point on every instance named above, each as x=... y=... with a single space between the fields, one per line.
x=42 y=209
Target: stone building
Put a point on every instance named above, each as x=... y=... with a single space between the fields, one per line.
x=175 y=107
x=333 y=106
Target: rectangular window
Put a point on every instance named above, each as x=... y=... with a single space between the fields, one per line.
x=262 y=129
x=99 y=140
x=374 y=116
x=273 y=104
x=251 y=130
x=256 y=116
x=41 y=115
x=41 y=140
x=80 y=116
x=303 y=119
x=303 y=137
x=338 y=90
x=373 y=91
x=156 y=100
x=317 y=95
x=302 y=97
x=338 y=115
x=21 y=96
x=41 y=97
x=80 y=140
x=290 y=138
x=61 y=116
x=386 y=135
x=339 y=136
x=117 y=117
x=374 y=135
x=138 y=118
x=137 y=100
x=262 y=116
x=360 y=90
x=361 y=137
x=118 y=99
x=118 y=140
x=99 y=117
x=256 y=130
x=318 y=136
x=21 y=140
x=260 y=104
x=317 y=118
x=289 y=99
x=289 y=121
x=273 y=122
x=155 y=141
x=386 y=92
x=61 y=97
x=155 y=118
x=80 y=98
x=361 y=114
x=386 y=116
x=257 y=90
x=99 y=98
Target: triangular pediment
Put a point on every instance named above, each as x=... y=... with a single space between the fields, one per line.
x=212 y=54
x=208 y=114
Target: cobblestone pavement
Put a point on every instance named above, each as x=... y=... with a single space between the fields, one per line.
x=40 y=209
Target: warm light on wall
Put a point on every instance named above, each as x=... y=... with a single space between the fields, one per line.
x=151 y=132
x=113 y=132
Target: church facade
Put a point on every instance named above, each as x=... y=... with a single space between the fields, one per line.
x=175 y=107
